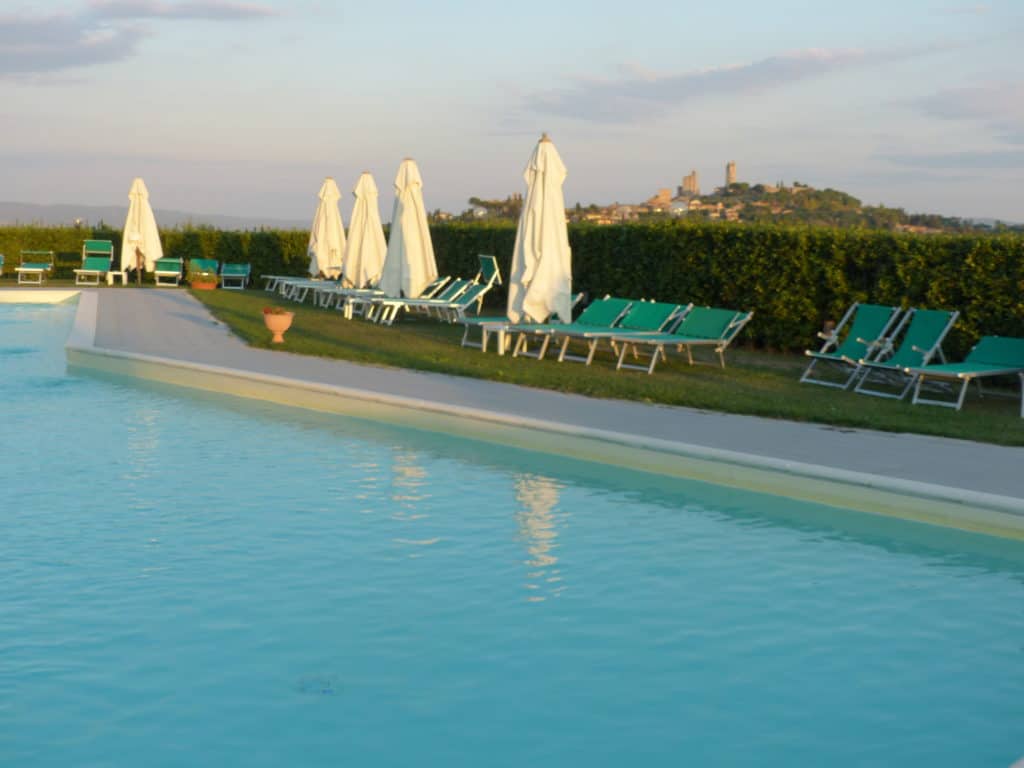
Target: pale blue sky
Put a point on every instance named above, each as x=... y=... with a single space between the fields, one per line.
x=243 y=107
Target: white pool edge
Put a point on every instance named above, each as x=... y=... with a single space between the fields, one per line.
x=877 y=494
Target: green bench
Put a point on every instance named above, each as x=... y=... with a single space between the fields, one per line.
x=34 y=267
x=97 y=256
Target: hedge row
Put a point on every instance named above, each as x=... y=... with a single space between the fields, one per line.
x=793 y=278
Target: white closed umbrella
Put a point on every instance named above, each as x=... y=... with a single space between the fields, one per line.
x=327 y=235
x=409 y=265
x=364 y=255
x=140 y=230
x=540 y=284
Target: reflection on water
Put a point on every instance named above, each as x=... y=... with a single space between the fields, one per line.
x=408 y=491
x=536 y=518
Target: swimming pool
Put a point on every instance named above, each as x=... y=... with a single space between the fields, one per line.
x=191 y=579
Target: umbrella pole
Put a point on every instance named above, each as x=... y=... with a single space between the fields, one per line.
x=138 y=267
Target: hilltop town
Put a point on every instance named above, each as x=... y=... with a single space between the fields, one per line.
x=743 y=202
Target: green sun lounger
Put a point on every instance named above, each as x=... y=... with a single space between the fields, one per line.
x=642 y=317
x=991 y=356
x=600 y=315
x=869 y=326
x=921 y=341
x=386 y=309
x=167 y=272
x=492 y=325
x=700 y=327
x=97 y=257
x=34 y=267
x=235 y=277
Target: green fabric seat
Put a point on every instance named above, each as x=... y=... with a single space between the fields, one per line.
x=234 y=276
x=921 y=341
x=700 y=327
x=642 y=317
x=600 y=314
x=869 y=325
x=167 y=271
x=991 y=356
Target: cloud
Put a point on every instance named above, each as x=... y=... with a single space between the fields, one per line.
x=52 y=43
x=997 y=106
x=212 y=10
x=34 y=46
x=640 y=96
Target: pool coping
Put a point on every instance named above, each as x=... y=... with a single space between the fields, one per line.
x=877 y=494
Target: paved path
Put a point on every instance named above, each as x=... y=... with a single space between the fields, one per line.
x=172 y=324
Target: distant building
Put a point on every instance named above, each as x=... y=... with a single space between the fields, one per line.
x=661 y=200
x=691 y=184
x=730 y=173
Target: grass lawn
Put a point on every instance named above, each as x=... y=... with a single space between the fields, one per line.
x=756 y=383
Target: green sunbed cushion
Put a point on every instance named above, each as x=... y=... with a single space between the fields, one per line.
x=96 y=264
x=647 y=316
x=706 y=323
x=869 y=323
x=98 y=246
x=489 y=269
x=471 y=294
x=1004 y=351
x=167 y=265
x=235 y=270
x=204 y=265
x=602 y=312
x=927 y=328
x=34 y=266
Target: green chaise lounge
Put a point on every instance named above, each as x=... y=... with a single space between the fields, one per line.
x=700 y=327
x=991 y=356
x=386 y=309
x=235 y=277
x=600 y=315
x=97 y=256
x=870 y=325
x=34 y=267
x=497 y=325
x=919 y=344
x=167 y=272
x=643 y=317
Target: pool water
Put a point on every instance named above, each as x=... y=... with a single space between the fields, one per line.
x=198 y=580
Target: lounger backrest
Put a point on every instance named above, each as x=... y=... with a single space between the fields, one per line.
x=96 y=263
x=603 y=312
x=167 y=264
x=453 y=289
x=870 y=324
x=236 y=270
x=472 y=294
x=37 y=258
x=1004 y=351
x=927 y=329
x=648 y=315
x=707 y=323
x=98 y=248
x=489 y=272
x=204 y=265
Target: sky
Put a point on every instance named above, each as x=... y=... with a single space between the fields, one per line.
x=243 y=108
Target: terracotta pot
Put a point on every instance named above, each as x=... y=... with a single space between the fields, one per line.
x=197 y=286
x=278 y=324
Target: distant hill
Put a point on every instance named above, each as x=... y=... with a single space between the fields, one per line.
x=67 y=213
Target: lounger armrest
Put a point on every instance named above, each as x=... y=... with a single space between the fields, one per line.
x=826 y=336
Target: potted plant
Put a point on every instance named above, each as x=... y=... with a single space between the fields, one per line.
x=278 y=320
x=202 y=279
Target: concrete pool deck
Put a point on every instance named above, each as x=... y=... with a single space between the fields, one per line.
x=169 y=336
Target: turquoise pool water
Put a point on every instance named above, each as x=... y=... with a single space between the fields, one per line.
x=193 y=580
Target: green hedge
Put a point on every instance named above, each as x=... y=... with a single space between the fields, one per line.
x=793 y=278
